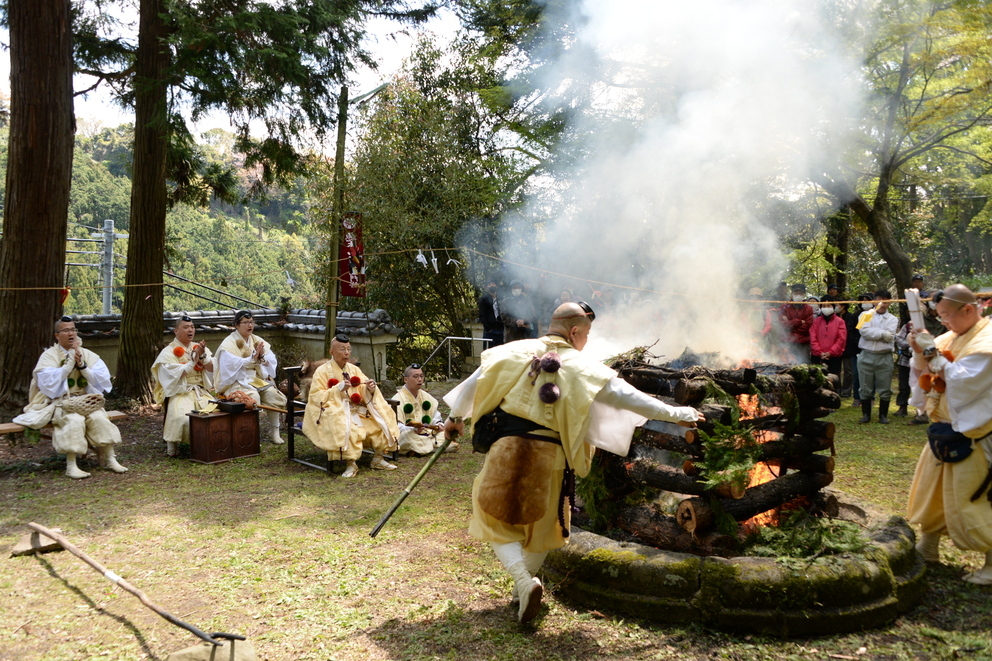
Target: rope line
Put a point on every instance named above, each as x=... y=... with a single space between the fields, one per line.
x=480 y=254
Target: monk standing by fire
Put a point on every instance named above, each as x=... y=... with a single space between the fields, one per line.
x=543 y=406
x=952 y=377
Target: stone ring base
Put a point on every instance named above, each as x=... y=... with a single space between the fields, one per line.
x=825 y=595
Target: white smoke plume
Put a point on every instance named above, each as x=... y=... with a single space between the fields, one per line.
x=695 y=111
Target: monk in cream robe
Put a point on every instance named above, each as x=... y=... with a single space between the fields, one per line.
x=183 y=374
x=245 y=362
x=417 y=415
x=346 y=412
x=66 y=371
x=556 y=414
x=941 y=498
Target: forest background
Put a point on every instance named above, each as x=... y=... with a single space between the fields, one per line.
x=469 y=133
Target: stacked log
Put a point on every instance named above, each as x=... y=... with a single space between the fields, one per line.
x=790 y=430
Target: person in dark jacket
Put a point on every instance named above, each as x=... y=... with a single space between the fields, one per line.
x=852 y=383
x=492 y=324
x=518 y=314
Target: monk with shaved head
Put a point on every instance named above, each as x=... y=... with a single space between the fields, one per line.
x=952 y=379
x=540 y=409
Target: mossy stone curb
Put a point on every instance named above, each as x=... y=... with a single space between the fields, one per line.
x=832 y=594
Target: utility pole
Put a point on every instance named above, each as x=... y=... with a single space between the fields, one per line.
x=331 y=308
x=107 y=264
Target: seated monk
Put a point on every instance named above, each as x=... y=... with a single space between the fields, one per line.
x=246 y=363
x=67 y=389
x=183 y=373
x=417 y=416
x=346 y=412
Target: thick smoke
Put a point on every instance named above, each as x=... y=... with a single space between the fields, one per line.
x=696 y=118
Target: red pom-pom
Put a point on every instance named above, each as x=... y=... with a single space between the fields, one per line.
x=179 y=352
x=198 y=367
x=355 y=382
x=356 y=398
x=332 y=382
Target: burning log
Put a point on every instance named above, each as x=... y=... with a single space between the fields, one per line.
x=696 y=516
x=660 y=530
x=659 y=476
x=775 y=422
x=670 y=442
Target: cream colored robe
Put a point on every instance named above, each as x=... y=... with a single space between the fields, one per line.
x=940 y=498
x=237 y=370
x=334 y=424
x=594 y=406
x=422 y=406
x=187 y=389
x=55 y=377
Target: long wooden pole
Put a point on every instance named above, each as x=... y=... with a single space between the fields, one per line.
x=331 y=306
x=114 y=578
x=406 y=492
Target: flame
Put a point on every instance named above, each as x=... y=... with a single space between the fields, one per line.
x=751 y=407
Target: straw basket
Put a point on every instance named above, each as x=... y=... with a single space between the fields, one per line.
x=83 y=404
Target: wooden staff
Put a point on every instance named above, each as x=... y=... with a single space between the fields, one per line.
x=114 y=578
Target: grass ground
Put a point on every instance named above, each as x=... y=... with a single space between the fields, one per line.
x=281 y=554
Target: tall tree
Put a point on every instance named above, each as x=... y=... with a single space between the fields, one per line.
x=39 y=172
x=277 y=64
x=930 y=77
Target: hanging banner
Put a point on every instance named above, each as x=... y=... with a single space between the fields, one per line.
x=352 y=256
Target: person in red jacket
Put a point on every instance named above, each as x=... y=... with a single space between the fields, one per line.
x=797 y=319
x=828 y=337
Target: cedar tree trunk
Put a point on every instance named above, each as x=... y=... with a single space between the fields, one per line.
x=39 y=172
x=141 y=319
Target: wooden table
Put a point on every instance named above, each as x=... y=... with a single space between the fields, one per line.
x=217 y=437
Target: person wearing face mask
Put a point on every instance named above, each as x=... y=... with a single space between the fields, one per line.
x=878 y=331
x=828 y=337
x=518 y=314
x=492 y=325
x=544 y=419
x=797 y=319
x=903 y=355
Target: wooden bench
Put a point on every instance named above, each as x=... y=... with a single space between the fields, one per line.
x=13 y=427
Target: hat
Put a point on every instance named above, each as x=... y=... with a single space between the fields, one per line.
x=960 y=294
x=832 y=286
x=916 y=276
x=799 y=287
x=516 y=283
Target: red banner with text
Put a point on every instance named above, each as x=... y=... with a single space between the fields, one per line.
x=352 y=256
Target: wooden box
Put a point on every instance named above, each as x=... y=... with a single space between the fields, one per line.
x=216 y=437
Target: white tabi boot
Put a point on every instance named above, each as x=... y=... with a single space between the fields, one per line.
x=171 y=449
x=274 y=427
x=929 y=546
x=527 y=588
x=533 y=561
x=108 y=460
x=984 y=575
x=379 y=463
x=71 y=469
x=351 y=470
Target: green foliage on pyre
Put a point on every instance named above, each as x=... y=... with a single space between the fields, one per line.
x=629 y=359
x=730 y=453
x=800 y=534
x=601 y=500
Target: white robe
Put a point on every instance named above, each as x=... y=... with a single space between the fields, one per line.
x=50 y=385
x=186 y=388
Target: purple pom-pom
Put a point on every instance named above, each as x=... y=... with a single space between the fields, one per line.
x=549 y=393
x=551 y=362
